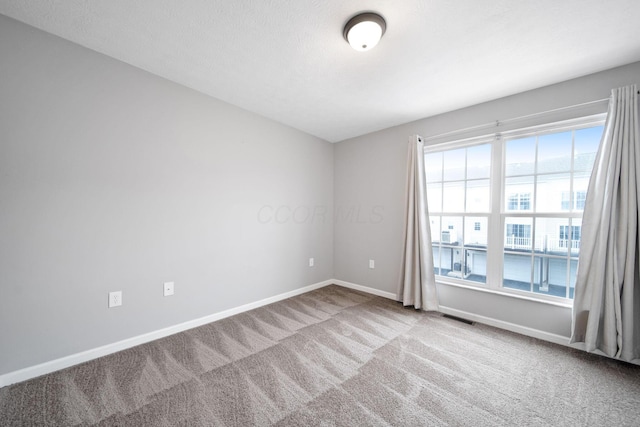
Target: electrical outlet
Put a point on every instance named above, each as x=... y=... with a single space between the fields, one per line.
x=168 y=289
x=115 y=299
x=311 y=262
x=372 y=264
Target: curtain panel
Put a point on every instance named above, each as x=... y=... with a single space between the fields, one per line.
x=606 y=310
x=417 y=285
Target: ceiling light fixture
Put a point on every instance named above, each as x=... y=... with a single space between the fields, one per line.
x=364 y=31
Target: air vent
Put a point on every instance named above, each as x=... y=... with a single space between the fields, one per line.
x=458 y=319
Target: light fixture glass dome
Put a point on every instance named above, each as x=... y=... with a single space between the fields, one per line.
x=364 y=31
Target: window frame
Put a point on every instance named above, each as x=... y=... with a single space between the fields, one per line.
x=498 y=213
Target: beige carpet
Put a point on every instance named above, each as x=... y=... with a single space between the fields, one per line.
x=334 y=357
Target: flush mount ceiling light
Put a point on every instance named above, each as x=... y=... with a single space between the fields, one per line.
x=364 y=31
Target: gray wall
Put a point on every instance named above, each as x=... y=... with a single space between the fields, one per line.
x=370 y=173
x=114 y=179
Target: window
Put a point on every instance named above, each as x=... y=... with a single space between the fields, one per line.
x=459 y=197
x=569 y=237
x=577 y=203
x=519 y=202
x=580 y=198
x=565 y=204
x=519 y=230
x=507 y=212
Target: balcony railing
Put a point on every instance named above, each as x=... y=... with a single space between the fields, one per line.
x=544 y=244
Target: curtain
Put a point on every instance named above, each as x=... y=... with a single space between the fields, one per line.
x=417 y=285
x=606 y=309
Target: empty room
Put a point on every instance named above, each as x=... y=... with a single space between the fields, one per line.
x=299 y=213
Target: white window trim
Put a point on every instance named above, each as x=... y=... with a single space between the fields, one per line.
x=498 y=212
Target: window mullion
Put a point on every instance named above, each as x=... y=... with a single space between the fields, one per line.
x=494 y=247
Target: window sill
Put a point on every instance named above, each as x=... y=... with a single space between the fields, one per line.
x=505 y=294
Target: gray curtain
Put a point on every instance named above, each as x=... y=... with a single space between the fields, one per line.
x=417 y=285
x=606 y=310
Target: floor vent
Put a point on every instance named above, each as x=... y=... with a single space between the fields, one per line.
x=459 y=319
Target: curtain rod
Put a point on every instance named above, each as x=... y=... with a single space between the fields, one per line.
x=499 y=123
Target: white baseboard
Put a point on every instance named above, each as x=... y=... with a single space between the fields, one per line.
x=85 y=356
x=366 y=289
x=523 y=330
x=500 y=324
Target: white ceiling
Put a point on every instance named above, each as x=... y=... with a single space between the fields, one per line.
x=287 y=60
